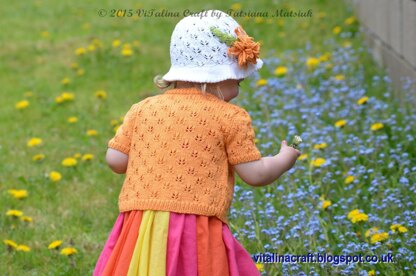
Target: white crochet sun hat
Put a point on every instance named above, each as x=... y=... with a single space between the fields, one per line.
x=199 y=55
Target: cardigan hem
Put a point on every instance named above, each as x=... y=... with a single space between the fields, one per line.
x=174 y=206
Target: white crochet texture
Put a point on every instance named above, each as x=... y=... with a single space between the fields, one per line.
x=197 y=55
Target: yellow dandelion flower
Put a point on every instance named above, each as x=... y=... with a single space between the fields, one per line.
x=349 y=20
x=35 y=141
x=326 y=204
x=312 y=62
x=402 y=229
x=77 y=155
x=116 y=43
x=362 y=100
x=126 y=50
x=65 y=81
x=28 y=94
x=69 y=162
x=72 y=119
x=22 y=104
x=336 y=30
x=10 y=243
x=87 y=157
x=38 y=157
x=55 y=176
x=346 y=44
x=379 y=237
x=26 y=219
x=349 y=179
x=14 y=213
x=68 y=251
x=19 y=194
x=80 y=51
x=80 y=72
x=22 y=247
x=260 y=267
x=59 y=99
x=91 y=132
x=303 y=156
x=371 y=231
x=280 y=22
x=339 y=77
x=258 y=20
x=318 y=162
x=44 y=34
x=116 y=128
x=86 y=25
x=320 y=146
x=261 y=82
x=340 y=123
x=398 y=227
x=97 y=42
x=325 y=57
x=353 y=213
x=91 y=48
x=67 y=96
x=280 y=71
x=101 y=94
x=114 y=122
x=55 y=244
x=377 y=126
x=236 y=6
x=74 y=65
x=371 y=273
x=394 y=227
x=359 y=217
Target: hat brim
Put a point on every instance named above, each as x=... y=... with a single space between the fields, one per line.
x=209 y=74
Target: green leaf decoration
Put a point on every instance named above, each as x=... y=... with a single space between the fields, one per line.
x=223 y=37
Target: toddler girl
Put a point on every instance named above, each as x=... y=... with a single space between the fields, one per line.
x=179 y=150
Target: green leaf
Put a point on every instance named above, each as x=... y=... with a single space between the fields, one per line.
x=223 y=37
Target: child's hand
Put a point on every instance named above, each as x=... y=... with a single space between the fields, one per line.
x=291 y=153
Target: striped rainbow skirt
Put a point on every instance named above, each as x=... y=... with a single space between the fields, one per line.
x=150 y=242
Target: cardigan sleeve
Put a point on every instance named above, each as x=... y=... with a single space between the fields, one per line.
x=122 y=139
x=240 y=145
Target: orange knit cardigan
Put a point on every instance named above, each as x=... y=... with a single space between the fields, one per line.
x=182 y=146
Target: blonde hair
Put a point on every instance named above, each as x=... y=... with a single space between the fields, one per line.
x=163 y=84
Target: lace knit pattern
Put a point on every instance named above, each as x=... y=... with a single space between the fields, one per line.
x=182 y=146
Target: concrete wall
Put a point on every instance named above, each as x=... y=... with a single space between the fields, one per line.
x=390 y=28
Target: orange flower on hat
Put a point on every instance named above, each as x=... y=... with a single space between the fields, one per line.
x=244 y=48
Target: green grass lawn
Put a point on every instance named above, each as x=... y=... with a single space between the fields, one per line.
x=40 y=41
